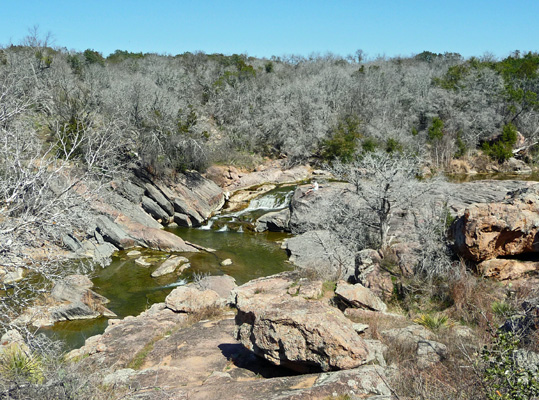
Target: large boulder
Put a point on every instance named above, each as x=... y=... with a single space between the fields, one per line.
x=359 y=296
x=152 y=238
x=276 y=221
x=486 y=231
x=191 y=300
x=294 y=332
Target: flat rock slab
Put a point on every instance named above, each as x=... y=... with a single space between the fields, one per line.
x=169 y=265
x=203 y=361
x=124 y=339
x=222 y=284
x=70 y=299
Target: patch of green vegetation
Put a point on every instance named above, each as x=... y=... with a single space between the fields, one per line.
x=16 y=364
x=138 y=360
x=342 y=144
x=502 y=149
x=505 y=378
x=432 y=322
x=502 y=309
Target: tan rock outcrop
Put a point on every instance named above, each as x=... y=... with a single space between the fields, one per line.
x=504 y=269
x=359 y=296
x=297 y=333
x=190 y=300
x=508 y=228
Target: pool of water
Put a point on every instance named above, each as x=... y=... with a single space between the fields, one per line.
x=131 y=289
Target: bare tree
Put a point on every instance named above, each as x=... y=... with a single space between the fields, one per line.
x=384 y=182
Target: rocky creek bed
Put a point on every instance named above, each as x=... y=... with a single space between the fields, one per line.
x=288 y=335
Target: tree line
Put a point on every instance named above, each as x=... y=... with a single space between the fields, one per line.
x=189 y=110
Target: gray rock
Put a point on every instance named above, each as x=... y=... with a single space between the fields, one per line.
x=203 y=195
x=222 y=284
x=359 y=296
x=70 y=299
x=119 y=377
x=183 y=220
x=130 y=191
x=321 y=252
x=419 y=340
x=182 y=207
x=274 y=221
x=155 y=194
x=429 y=353
x=169 y=266
x=190 y=300
x=226 y=262
x=99 y=239
x=376 y=352
x=113 y=233
x=360 y=328
x=526 y=359
x=72 y=243
x=152 y=208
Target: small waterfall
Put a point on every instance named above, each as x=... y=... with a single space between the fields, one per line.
x=207 y=227
x=270 y=201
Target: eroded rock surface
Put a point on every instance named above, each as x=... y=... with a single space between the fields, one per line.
x=204 y=361
x=509 y=228
x=294 y=332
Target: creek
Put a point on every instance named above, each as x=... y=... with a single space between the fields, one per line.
x=131 y=289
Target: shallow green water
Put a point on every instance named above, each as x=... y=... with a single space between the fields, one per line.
x=131 y=289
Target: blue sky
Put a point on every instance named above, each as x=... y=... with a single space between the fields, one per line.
x=275 y=27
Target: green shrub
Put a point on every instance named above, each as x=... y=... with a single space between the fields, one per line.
x=369 y=145
x=17 y=365
x=393 y=145
x=505 y=379
x=502 y=149
x=432 y=322
x=502 y=309
x=436 y=130
x=461 y=146
x=343 y=142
